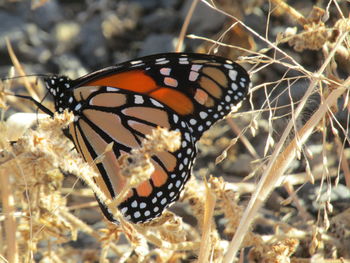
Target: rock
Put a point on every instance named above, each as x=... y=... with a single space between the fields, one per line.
x=204 y=19
x=66 y=35
x=157 y=43
x=241 y=166
x=154 y=22
x=11 y=27
x=69 y=65
x=47 y=15
x=147 y=5
x=93 y=45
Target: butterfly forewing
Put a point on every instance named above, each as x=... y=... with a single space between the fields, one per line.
x=201 y=88
x=124 y=103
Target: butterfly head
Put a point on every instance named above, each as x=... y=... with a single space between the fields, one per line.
x=60 y=87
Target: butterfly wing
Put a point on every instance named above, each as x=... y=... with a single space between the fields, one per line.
x=125 y=119
x=121 y=104
x=201 y=88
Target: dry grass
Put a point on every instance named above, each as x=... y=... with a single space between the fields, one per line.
x=36 y=220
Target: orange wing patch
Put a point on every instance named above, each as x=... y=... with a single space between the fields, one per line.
x=144 y=189
x=135 y=80
x=168 y=159
x=174 y=99
x=211 y=87
x=159 y=176
x=138 y=81
x=217 y=75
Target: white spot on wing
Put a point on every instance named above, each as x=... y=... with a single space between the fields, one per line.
x=203 y=114
x=232 y=74
x=162 y=62
x=111 y=89
x=77 y=107
x=156 y=103
x=165 y=71
x=193 y=76
x=234 y=86
x=136 y=62
x=170 y=82
x=137 y=214
x=138 y=99
x=183 y=60
x=187 y=137
x=196 y=67
x=163 y=201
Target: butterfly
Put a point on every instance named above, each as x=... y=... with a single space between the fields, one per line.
x=122 y=104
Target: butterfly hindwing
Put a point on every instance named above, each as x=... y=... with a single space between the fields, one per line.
x=131 y=118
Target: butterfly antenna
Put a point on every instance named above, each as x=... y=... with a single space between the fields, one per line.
x=37 y=103
x=37 y=109
x=31 y=75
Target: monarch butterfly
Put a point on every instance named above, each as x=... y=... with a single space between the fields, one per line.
x=123 y=103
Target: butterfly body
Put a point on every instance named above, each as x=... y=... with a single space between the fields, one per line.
x=187 y=93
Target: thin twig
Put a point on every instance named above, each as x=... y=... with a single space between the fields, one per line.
x=185 y=26
x=279 y=161
x=277 y=167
